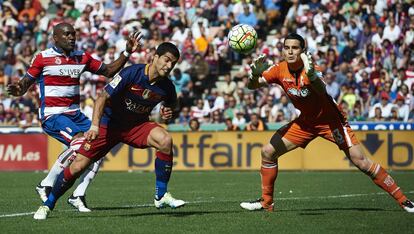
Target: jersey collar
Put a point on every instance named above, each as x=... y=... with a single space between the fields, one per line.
x=60 y=51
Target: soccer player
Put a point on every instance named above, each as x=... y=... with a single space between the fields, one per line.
x=320 y=116
x=121 y=114
x=57 y=71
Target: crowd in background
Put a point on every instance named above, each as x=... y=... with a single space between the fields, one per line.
x=365 y=49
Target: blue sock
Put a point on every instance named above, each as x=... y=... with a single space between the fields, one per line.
x=162 y=173
x=59 y=188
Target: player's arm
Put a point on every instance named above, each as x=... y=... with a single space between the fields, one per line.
x=313 y=75
x=98 y=110
x=20 y=88
x=132 y=45
x=169 y=108
x=258 y=66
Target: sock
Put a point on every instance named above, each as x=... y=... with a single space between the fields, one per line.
x=64 y=159
x=268 y=173
x=386 y=182
x=64 y=182
x=163 y=171
x=86 y=178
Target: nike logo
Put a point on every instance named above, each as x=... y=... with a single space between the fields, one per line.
x=136 y=89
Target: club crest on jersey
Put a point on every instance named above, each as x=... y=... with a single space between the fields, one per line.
x=58 y=60
x=86 y=146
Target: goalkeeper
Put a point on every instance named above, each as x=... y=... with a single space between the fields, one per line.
x=320 y=116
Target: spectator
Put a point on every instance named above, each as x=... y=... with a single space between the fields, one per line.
x=181 y=81
x=255 y=124
x=247 y=17
x=230 y=126
x=239 y=119
x=194 y=125
x=402 y=109
x=384 y=106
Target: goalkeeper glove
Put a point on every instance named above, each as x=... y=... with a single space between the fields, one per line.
x=309 y=65
x=258 y=66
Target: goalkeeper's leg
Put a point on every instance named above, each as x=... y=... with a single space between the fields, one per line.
x=379 y=176
x=268 y=172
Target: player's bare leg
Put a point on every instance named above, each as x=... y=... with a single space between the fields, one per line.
x=160 y=139
x=379 y=176
x=268 y=172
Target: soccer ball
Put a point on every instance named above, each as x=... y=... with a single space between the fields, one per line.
x=242 y=38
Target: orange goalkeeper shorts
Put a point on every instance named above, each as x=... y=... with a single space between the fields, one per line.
x=301 y=133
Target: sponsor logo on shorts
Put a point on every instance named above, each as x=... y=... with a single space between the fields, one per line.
x=69 y=129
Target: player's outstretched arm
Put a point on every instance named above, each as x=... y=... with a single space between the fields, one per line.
x=258 y=66
x=132 y=45
x=98 y=109
x=312 y=74
x=21 y=87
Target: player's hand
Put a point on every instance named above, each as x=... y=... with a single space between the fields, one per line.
x=14 y=89
x=259 y=65
x=92 y=133
x=309 y=65
x=166 y=113
x=133 y=43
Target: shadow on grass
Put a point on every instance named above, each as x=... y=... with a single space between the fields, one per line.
x=171 y=213
x=323 y=211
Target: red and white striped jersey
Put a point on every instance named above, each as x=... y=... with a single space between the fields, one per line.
x=58 y=79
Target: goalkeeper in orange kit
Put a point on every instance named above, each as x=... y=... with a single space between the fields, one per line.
x=320 y=116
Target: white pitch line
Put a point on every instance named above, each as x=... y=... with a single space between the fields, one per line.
x=211 y=201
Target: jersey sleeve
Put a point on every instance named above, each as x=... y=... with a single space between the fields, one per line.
x=36 y=67
x=120 y=81
x=271 y=74
x=93 y=64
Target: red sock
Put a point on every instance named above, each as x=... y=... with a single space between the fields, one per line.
x=67 y=175
x=268 y=172
x=386 y=182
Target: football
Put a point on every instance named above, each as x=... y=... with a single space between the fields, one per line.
x=242 y=38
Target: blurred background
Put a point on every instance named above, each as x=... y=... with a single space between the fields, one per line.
x=364 y=47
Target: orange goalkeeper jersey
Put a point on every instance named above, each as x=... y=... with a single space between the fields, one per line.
x=314 y=107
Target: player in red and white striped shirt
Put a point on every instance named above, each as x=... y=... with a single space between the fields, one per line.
x=57 y=71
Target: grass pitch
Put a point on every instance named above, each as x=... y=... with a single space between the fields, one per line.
x=306 y=202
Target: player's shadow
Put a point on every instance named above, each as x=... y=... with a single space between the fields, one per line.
x=119 y=208
x=325 y=211
x=172 y=213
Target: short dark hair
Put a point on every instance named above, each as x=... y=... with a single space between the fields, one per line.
x=295 y=36
x=167 y=47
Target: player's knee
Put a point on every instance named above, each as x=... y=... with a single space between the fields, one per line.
x=268 y=153
x=79 y=164
x=165 y=143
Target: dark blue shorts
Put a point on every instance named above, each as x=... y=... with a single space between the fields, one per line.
x=63 y=127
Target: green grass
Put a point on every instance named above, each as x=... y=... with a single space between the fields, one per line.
x=319 y=202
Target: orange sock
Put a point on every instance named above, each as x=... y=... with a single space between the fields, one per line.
x=268 y=172
x=386 y=182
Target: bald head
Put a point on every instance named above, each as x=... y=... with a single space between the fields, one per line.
x=59 y=28
x=64 y=36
